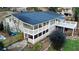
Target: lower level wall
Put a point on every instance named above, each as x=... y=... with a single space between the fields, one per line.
x=33 y=41
x=40 y=38
x=30 y=40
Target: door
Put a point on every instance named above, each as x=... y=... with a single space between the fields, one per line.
x=59 y=28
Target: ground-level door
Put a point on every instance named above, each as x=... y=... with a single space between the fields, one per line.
x=59 y=28
x=67 y=31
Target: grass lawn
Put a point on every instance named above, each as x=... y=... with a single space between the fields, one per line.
x=12 y=39
x=70 y=45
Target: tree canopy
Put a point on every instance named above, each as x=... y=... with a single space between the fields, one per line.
x=76 y=13
x=57 y=39
x=54 y=9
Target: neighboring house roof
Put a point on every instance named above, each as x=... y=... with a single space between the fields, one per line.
x=37 y=17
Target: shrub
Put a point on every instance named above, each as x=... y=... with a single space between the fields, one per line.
x=37 y=46
x=1 y=46
x=57 y=39
x=1 y=26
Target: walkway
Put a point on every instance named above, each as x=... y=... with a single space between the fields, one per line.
x=17 y=46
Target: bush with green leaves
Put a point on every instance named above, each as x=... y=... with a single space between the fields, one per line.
x=1 y=26
x=57 y=39
x=37 y=46
x=1 y=46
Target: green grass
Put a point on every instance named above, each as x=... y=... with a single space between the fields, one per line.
x=71 y=45
x=15 y=39
x=4 y=9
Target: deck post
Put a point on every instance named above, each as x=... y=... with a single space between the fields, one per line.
x=63 y=29
x=73 y=32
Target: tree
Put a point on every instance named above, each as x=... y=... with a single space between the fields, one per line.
x=37 y=46
x=76 y=13
x=54 y=9
x=57 y=39
x=1 y=26
x=33 y=9
x=1 y=46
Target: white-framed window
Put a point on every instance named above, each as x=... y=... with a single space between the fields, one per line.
x=40 y=34
x=46 y=30
x=30 y=36
x=52 y=22
x=28 y=26
x=40 y=25
x=35 y=36
x=36 y=27
x=10 y=19
x=44 y=24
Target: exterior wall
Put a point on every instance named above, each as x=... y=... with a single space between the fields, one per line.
x=40 y=38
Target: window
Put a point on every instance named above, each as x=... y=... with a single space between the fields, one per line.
x=36 y=27
x=30 y=36
x=47 y=23
x=40 y=25
x=46 y=30
x=52 y=22
x=14 y=21
x=66 y=14
x=35 y=36
x=27 y=26
x=40 y=34
x=10 y=19
x=43 y=32
x=26 y=35
x=70 y=15
x=44 y=24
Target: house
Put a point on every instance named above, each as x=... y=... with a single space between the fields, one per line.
x=67 y=11
x=37 y=25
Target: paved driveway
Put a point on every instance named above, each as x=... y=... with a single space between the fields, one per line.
x=17 y=46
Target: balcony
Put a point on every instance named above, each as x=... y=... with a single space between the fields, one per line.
x=67 y=24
